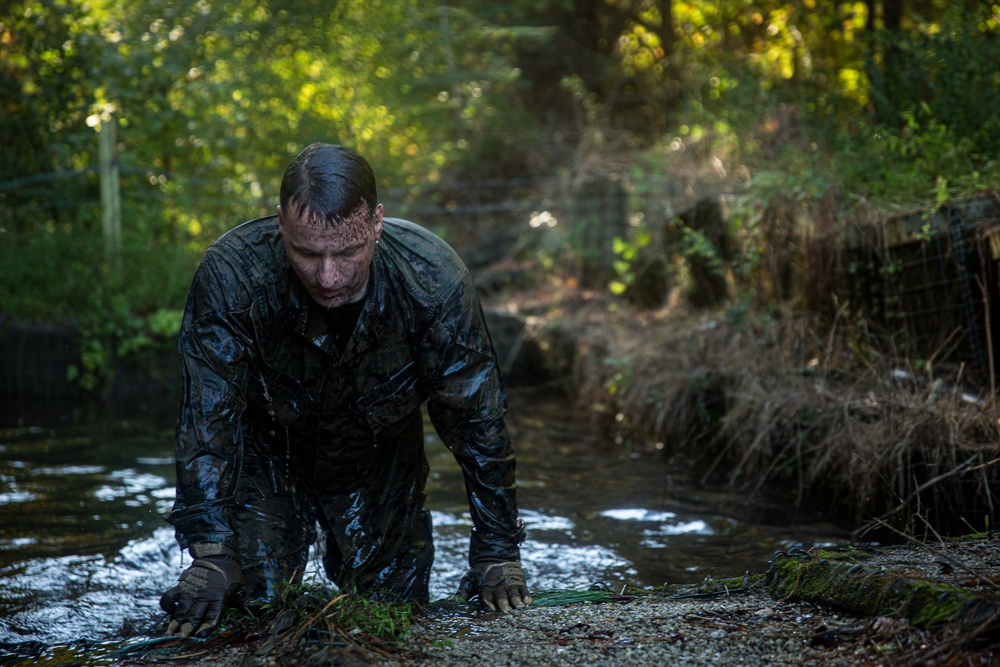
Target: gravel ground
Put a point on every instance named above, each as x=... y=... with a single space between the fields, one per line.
x=742 y=629
x=745 y=627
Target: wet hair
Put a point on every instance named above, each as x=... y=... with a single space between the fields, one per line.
x=330 y=182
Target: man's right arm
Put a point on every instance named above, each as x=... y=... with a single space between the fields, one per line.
x=213 y=347
x=214 y=359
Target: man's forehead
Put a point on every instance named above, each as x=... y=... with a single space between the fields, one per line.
x=307 y=215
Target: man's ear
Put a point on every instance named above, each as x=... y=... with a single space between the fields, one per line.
x=281 y=222
x=378 y=222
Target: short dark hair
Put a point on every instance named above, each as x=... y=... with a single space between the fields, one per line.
x=331 y=181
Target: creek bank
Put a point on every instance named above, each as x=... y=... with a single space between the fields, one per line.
x=49 y=361
x=869 y=583
x=762 y=402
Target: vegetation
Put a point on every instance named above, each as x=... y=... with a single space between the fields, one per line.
x=306 y=624
x=588 y=141
x=211 y=100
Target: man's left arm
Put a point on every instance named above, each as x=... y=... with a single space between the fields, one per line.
x=467 y=406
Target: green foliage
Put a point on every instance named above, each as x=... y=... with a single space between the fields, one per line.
x=694 y=244
x=212 y=99
x=944 y=70
x=59 y=275
x=304 y=610
x=627 y=253
x=124 y=337
x=924 y=160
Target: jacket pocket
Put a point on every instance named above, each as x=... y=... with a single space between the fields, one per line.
x=282 y=398
x=392 y=400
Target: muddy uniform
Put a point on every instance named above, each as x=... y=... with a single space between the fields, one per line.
x=284 y=422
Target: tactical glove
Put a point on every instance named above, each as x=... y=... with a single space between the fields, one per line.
x=500 y=585
x=201 y=593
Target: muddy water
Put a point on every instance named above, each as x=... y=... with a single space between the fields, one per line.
x=84 y=553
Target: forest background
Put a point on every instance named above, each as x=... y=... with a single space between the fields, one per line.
x=569 y=141
x=500 y=125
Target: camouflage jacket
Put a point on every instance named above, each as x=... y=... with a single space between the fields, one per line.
x=257 y=356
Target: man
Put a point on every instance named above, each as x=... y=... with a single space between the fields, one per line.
x=310 y=340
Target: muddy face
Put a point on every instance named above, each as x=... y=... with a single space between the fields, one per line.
x=332 y=260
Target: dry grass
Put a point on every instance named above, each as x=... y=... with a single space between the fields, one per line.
x=766 y=404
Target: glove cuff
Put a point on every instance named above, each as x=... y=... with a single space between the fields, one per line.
x=212 y=550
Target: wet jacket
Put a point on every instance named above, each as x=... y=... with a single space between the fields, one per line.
x=258 y=363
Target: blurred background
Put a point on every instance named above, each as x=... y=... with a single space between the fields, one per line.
x=565 y=136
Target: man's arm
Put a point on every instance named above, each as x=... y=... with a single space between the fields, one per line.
x=214 y=355
x=214 y=350
x=467 y=407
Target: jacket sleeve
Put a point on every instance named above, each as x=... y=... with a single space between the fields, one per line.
x=214 y=349
x=467 y=406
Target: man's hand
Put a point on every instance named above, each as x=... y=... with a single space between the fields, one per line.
x=500 y=585
x=198 y=599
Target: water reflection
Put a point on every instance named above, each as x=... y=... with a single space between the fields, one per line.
x=85 y=554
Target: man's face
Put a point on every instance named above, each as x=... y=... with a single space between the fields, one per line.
x=332 y=260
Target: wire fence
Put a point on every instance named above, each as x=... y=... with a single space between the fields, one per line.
x=928 y=284
x=484 y=219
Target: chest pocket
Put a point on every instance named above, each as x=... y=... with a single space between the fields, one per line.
x=282 y=401
x=392 y=400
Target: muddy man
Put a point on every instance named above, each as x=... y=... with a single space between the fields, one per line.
x=310 y=341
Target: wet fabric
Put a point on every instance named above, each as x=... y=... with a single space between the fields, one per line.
x=278 y=428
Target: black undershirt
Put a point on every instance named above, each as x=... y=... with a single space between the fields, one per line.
x=342 y=320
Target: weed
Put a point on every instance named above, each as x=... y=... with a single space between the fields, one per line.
x=977 y=534
x=307 y=617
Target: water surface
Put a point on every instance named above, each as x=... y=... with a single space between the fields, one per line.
x=85 y=554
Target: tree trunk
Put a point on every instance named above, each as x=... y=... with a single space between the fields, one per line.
x=666 y=31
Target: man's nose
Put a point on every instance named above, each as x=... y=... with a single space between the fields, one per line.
x=329 y=273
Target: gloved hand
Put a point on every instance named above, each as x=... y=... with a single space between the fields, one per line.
x=500 y=585
x=201 y=593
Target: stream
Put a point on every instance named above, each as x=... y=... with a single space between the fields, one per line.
x=85 y=554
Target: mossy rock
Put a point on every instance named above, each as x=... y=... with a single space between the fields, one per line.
x=846 y=582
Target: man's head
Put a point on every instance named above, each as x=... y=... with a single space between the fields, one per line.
x=330 y=220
